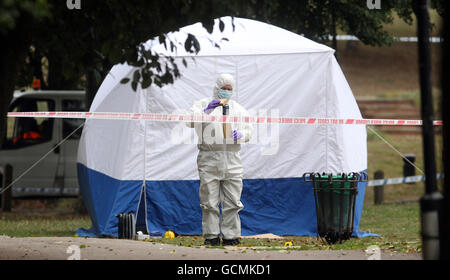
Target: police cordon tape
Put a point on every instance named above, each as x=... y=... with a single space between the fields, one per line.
x=221 y=119
x=75 y=191
x=401 y=180
x=217 y=119
x=46 y=191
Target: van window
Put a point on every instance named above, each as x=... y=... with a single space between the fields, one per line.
x=29 y=131
x=69 y=125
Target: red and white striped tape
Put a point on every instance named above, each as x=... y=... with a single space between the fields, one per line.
x=217 y=119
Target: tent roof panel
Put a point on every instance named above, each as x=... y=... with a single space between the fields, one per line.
x=249 y=37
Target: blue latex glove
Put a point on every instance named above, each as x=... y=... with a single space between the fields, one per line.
x=237 y=135
x=211 y=106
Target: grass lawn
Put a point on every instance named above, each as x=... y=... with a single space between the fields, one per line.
x=41 y=224
x=397 y=224
x=382 y=157
x=387 y=71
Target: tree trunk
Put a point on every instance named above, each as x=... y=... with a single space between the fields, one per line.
x=13 y=51
x=333 y=29
x=445 y=217
x=91 y=87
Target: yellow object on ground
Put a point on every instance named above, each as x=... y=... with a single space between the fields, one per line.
x=286 y=244
x=169 y=235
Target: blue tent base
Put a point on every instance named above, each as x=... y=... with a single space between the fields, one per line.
x=81 y=232
x=365 y=234
x=281 y=206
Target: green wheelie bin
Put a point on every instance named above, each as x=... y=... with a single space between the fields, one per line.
x=335 y=197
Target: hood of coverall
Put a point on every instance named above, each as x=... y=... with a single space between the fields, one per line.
x=223 y=80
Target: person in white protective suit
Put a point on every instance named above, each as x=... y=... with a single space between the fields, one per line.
x=219 y=164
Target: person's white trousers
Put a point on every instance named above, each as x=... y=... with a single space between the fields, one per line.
x=220 y=175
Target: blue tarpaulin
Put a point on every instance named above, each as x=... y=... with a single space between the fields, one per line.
x=282 y=206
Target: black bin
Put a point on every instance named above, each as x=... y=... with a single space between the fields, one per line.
x=126 y=226
x=408 y=166
x=334 y=197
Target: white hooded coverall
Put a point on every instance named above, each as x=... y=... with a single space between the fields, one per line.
x=220 y=167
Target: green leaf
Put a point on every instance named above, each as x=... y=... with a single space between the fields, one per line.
x=124 y=80
x=221 y=25
x=146 y=83
x=188 y=43
x=134 y=85
x=136 y=75
x=196 y=45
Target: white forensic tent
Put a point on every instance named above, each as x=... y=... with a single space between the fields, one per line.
x=150 y=167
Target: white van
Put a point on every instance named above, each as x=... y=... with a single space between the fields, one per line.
x=29 y=139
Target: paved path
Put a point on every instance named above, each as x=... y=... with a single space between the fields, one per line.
x=62 y=248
